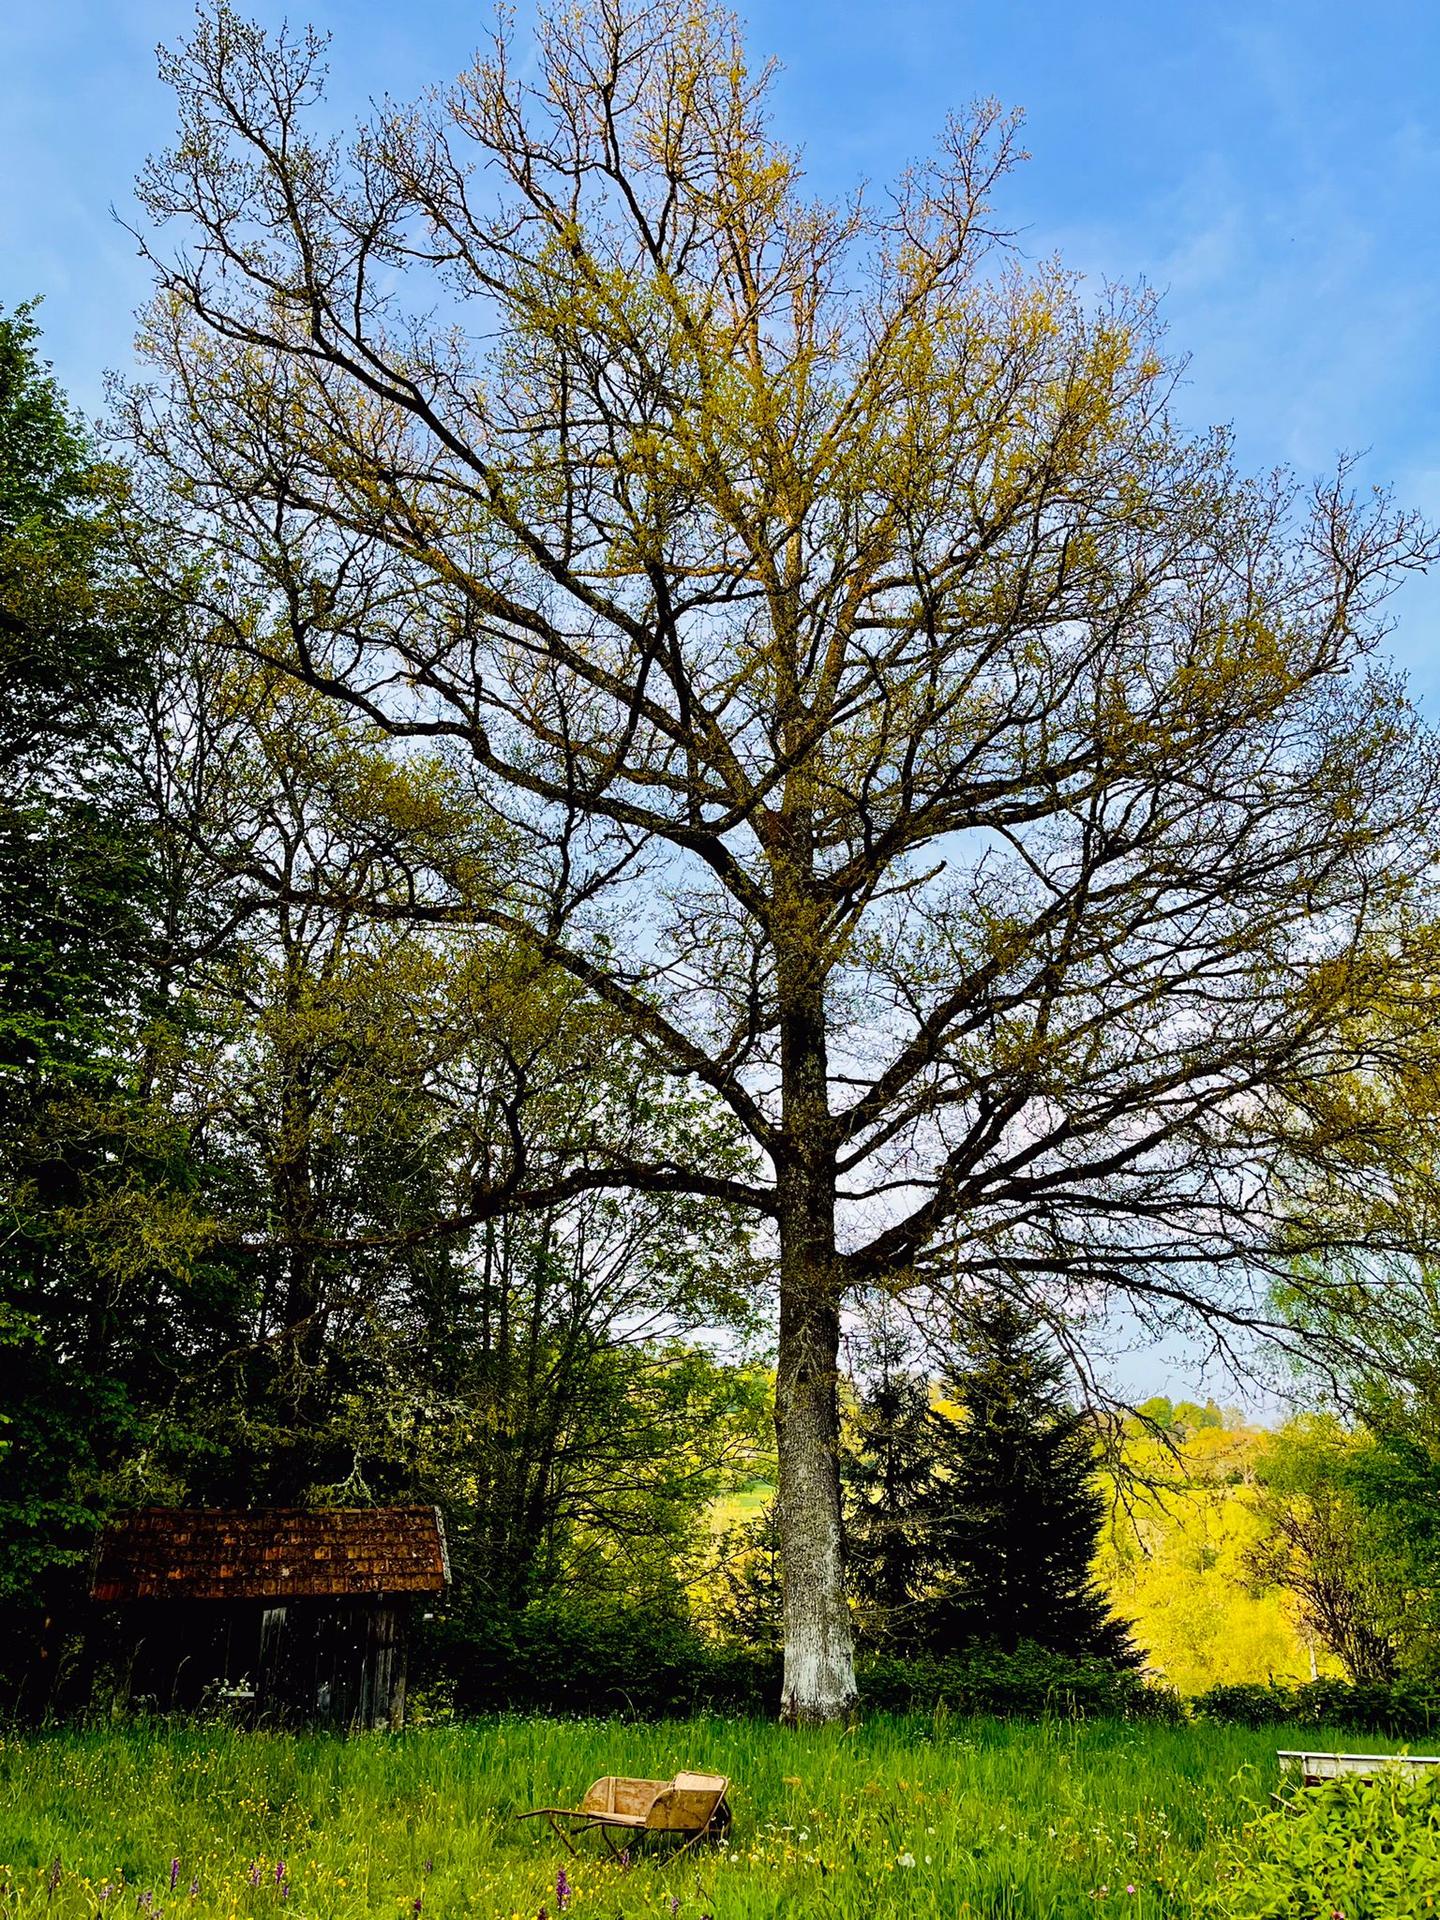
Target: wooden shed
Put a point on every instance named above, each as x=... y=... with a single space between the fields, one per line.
x=290 y=1615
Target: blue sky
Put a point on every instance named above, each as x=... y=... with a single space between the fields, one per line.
x=1272 y=165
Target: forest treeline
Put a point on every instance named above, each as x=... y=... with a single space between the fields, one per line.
x=242 y=1129
x=252 y=1124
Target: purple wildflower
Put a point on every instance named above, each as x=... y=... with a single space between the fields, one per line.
x=255 y=1874
x=279 y=1871
x=174 y=1873
x=562 y=1891
x=416 y=1904
x=284 y=1889
x=194 y=1888
x=674 y=1905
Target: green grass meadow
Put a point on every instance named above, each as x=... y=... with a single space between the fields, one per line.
x=934 y=1817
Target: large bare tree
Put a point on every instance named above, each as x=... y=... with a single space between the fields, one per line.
x=915 y=738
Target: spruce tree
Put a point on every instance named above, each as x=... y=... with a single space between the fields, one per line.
x=1014 y=1514
x=888 y=1473
x=77 y=882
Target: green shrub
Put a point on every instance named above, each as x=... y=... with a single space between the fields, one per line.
x=1247 y=1703
x=1031 y=1683
x=573 y=1657
x=584 y=1657
x=1353 y=1849
x=1402 y=1710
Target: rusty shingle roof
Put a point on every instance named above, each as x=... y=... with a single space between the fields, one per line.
x=205 y=1553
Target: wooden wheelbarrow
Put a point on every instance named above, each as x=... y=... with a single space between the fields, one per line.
x=693 y=1804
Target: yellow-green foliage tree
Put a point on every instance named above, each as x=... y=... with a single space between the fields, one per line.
x=1329 y=1542
x=915 y=738
x=1178 y=1558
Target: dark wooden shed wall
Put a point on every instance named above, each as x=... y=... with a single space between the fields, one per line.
x=292 y=1616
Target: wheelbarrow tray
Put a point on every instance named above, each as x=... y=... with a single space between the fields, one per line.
x=692 y=1804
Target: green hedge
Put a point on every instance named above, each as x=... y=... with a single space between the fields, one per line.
x=583 y=1659
x=1029 y=1684
x=590 y=1659
x=569 y=1658
x=1401 y=1711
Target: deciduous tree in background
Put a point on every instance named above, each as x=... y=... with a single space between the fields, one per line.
x=1320 y=1545
x=747 y=1597
x=338 y=1084
x=78 y=891
x=919 y=743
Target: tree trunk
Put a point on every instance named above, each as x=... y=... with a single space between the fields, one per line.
x=819 y=1682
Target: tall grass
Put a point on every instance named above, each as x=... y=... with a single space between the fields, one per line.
x=933 y=1817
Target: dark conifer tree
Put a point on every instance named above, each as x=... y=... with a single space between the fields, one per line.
x=1014 y=1514
x=76 y=883
x=888 y=1472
